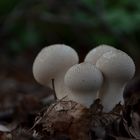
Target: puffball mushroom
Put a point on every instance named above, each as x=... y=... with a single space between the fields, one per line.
x=83 y=81
x=52 y=62
x=97 y=52
x=118 y=68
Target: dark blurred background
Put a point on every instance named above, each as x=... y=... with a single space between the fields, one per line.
x=26 y=26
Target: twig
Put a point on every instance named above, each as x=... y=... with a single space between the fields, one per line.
x=53 y=86
x=45 y=114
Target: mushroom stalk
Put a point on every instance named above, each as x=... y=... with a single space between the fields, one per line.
x=82 y=98
x=111 y=94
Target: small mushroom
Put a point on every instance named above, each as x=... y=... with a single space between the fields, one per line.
x=51 y=63
x=83 y=81
x=97 y=52
x=117 y=68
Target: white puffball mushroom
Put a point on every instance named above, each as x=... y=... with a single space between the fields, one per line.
x=97 y=52
x=83 y=81
x=52 y=62
x=117 y=68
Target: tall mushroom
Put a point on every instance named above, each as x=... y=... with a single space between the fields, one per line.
x=97 y=52
x=51 y=63
x=117 y=68
x=83 y=81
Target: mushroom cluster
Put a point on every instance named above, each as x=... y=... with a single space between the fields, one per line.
x=103 y=74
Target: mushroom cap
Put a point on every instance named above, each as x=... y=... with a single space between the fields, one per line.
x=97 y=52
x=84 y=77
x=53 y=61
x=117 y=66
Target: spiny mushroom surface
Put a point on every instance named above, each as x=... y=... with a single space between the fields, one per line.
x=83 y=80
x=117 y=68
x=52 y=62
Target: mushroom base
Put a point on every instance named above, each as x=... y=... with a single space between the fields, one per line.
x=72 y=121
